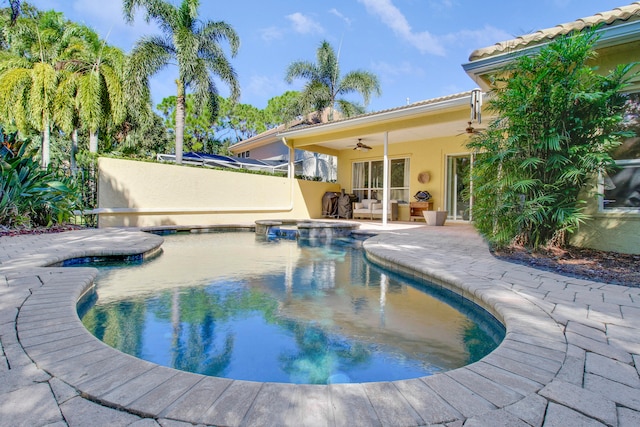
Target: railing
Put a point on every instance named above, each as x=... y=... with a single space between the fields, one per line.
x=86 y=179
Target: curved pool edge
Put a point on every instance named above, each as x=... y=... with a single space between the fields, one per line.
x=52 y=335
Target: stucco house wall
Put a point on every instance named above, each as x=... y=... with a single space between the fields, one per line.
x=425 y=155
x=618 y=43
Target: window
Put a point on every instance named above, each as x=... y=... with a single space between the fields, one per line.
x=367 y=180
x=621 y=188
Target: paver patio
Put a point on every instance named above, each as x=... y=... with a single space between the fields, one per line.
x=569 y=358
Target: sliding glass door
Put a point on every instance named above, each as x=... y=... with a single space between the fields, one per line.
x=458 y=187
x=367 y=179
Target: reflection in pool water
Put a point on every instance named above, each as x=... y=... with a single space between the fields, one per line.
x=236 y=306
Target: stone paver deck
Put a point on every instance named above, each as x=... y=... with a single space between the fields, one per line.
x=570 y=356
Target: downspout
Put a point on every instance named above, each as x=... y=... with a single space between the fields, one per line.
x=385 y=180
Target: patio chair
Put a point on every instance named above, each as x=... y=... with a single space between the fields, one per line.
x=363 y=209
x=392 y=211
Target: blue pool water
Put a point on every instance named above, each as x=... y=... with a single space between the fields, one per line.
x=237 y=306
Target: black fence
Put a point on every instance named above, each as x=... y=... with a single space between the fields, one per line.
x=86 y=180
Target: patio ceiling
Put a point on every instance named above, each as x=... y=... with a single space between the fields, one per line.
x=375 y=139
x=436 y=118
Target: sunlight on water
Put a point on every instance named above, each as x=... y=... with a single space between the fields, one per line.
x=237 y=306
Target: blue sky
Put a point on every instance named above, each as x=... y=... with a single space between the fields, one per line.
x=415 y=47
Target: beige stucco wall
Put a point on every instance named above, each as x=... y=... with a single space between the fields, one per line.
x=428 y=155
x=608 y=231
x=140 y=194
x=611 y=231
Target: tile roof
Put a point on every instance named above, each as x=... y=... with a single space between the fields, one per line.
x=611 y=17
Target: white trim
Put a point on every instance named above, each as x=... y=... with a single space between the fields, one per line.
x=453 y=216
x=385 y=180
x=376 y=118
x=406 y=158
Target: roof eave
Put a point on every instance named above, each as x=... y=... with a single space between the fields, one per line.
x=609 y=36
x=410 y=111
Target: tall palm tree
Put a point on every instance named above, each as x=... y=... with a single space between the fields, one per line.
x=29 y=73
x=15 y=10
x=91 y=90
x=194 y=46
x=325 y=87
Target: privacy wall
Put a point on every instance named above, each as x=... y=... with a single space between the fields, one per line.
x=143 y=194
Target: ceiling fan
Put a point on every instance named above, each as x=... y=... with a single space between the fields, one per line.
x=470 y=130
x=360 y=146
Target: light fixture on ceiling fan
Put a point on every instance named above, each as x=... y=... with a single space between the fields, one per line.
x=470 y=129
x=360 y=146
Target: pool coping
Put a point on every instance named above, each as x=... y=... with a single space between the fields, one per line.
x=524 y=372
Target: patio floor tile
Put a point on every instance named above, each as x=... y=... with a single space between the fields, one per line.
x=570 y=356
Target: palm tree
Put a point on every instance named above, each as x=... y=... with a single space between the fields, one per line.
x=194 y=46
x=91 y=90
x=325 y=88
x=29 y=73
x=14 y=5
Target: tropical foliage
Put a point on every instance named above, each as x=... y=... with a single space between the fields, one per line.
x=194 y=46
x=29 y=75
x=235 y=122
x=59 y=82
x=280 y=109
x=198 y=132
x=91 y=92
x=326 y=88
x=142 y=135
x=558 y=120
x=31 y=196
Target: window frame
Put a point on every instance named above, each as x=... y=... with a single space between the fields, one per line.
x=370 y=190
x=623 y=164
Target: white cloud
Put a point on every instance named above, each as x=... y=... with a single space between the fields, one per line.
x=479 y=38
x=449 y=89
x=397 y=70
x=337 y=13
x=441 y=4
x=106 y=19
x=263 y=87
x=394 y=19
x=304 y=25
x=271 y=33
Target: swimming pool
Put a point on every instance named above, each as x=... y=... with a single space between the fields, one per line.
x=237 y=306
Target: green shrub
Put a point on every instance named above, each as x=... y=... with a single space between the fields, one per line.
x=31 y=196
x=558 y=120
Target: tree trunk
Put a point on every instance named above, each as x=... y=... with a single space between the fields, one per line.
x=180 y=112
x=46 y=145
x=74 y=150
x=93 y=141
